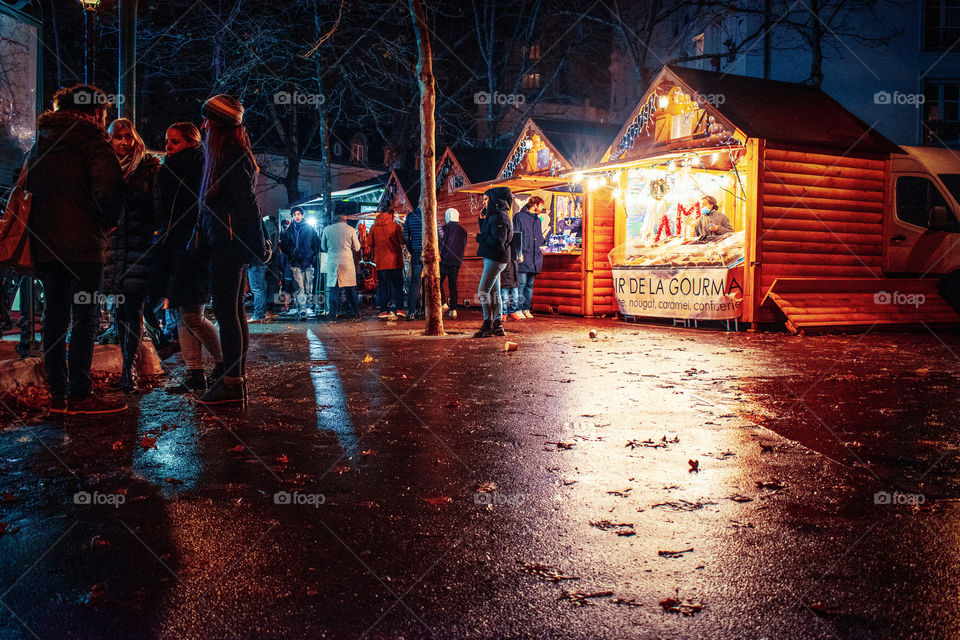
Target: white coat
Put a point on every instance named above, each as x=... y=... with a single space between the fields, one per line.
x=339 y=241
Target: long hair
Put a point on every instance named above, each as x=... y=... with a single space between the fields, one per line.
x=221 y=148
x=139 y=148
x=189 y=132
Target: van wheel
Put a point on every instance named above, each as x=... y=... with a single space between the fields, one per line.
x=949 y=288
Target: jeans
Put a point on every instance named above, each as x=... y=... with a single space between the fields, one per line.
x=390 y=288
x=258 y=286
x=489 y=290
x=509 y=299
x=451 y=272
x=70 y=289
x=333 y=300
x=226 y=287
x=171 y=324
x=196 y=331
x=525 y=282
x=303 y=286
x=413 y=287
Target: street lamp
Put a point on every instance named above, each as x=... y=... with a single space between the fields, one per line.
x=89 y=20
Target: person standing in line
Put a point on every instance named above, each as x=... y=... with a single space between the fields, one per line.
x=413 y=238
x=528 y=224
x=341 y=244
x=301 y=245
x=386 y=246
x=187 y=291
x=228 y=208
x=453 y=243
x=496 y=232
x=76 y=182
x=130 y=264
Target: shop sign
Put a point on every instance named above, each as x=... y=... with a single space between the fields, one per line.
x=701 y=294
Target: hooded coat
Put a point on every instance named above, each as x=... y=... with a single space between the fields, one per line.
x=76 y=182
x=131 y=259
x=530 y=227
x=496 y=226
x=385 y=242
x=178 y=186
x=232 y=206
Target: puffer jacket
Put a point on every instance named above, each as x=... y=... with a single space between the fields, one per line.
x=233 y=205
x=385 y=241
x=76 y=182
x=131 y=263
x=496 y=227
x=178 y=186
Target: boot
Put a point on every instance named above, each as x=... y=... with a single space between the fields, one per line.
x=228 y=390
x=215 y=375
x=193 y=382
x=496 y=329
x=128 y=379
x=484 y=331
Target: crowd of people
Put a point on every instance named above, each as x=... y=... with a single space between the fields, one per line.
x=162 y=239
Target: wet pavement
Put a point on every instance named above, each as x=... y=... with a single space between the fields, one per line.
x=654 y=482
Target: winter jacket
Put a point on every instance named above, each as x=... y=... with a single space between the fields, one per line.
x=496 y=227
x=528 y=225
x=413 y=234
x=131 y=261
x=453 y=242
x=178 y=186
x=385 y=242
x=230 y=206
x=301 y=244
x=714 y=217
x=76 y=182
x=508 y=277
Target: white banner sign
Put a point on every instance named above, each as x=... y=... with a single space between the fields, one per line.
x=704 y=294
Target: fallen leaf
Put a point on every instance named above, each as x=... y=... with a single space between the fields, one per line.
x=118 y=446
x=237 y=449
x=282 y=459
x=544 y=572
x=772 y=485
x=674 y=605
x=148 y=442
x=823 y=610
x=367 y=359
x=580 y=599
x=674 y=554
x=369 y=452
x=438 y=500
x=694 y=466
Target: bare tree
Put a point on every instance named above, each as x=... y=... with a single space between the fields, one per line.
x=428 y=168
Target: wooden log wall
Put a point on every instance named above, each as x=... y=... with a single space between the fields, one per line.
x=822 y=216
x=600 y=241
x=468 y=280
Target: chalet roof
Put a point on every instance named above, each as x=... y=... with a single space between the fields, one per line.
x=785 y=112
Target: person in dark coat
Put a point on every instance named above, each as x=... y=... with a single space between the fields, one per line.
x=186 y=287
x=453 y=243
x=301 y=245
x=130 y=263
x=76 y=183
x=413 y=240
x=228 y=208
x=528 y=224
x=496 y=232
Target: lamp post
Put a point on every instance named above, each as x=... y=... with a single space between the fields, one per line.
x=89 y=22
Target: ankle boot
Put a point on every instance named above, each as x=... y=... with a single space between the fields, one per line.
x=128 y=379
x=192 y=382
x=496 y=329
x=484 y=331
x=228 y=390
x=215 y=375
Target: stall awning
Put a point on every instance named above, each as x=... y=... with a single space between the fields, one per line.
x=517 y=184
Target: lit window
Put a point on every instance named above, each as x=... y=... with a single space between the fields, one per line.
x=357 y=152
x=941 y=113
x=531 y=81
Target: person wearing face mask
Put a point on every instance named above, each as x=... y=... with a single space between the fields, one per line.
x=712 y=222
x=187 y=290
x=129 y=269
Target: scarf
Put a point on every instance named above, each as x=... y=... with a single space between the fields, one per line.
x=130 y=163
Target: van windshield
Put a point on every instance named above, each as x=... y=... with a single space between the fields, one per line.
x=952 y=180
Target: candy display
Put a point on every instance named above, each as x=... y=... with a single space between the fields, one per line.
x=719 y=251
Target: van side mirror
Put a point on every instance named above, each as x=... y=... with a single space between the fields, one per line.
x=940 y=219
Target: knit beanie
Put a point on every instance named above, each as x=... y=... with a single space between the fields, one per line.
x=452 y=215
x=224 y=110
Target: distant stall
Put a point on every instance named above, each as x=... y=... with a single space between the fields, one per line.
x=576 y=277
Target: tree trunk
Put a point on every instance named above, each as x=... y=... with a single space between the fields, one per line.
x=56 y=43
x=292 y=144
x=428 y=170
x=326 y=179
x=816 y=45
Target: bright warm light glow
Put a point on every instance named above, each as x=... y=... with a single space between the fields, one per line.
x=577 y=178
x=617 y=193
x=594 y=182
x=664 y=102
x=312 y=221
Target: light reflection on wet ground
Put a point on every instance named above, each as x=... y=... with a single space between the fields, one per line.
x=462 y=485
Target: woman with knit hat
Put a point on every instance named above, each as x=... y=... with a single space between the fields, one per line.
x=228 y=207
